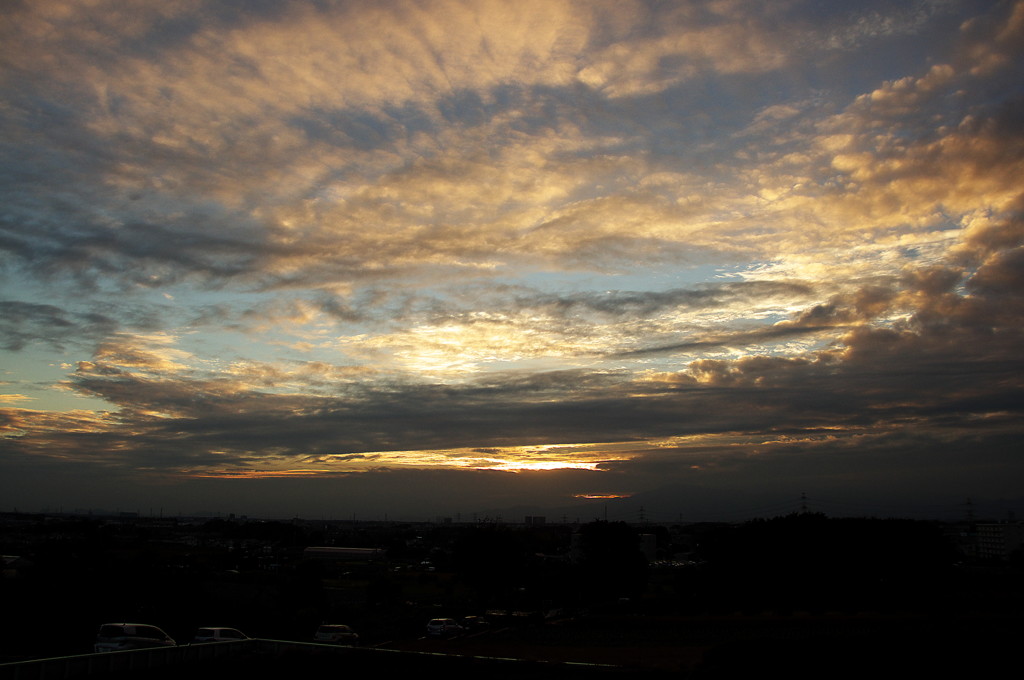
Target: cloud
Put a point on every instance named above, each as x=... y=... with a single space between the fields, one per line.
x=692 y=40
x=240 y=144
x=24 y=323
x=867 y=24
x=992 y=40
x=302 y=239
x=494 y=327
x=148 y=353
x=935 y=363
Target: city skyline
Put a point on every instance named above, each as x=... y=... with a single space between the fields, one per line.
x=329 y=258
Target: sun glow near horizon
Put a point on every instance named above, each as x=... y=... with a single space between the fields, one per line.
x=515 y=459
x=643 y=230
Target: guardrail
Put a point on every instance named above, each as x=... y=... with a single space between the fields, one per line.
x=217 y=660
x=139 y=660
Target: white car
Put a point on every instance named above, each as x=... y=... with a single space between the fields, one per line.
x=117 y=637
x=216 y=634
x=443 y=627
x=336 y=634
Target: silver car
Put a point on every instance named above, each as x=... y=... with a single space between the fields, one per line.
x=116 y=637
x=336 y=634
x=443 y=628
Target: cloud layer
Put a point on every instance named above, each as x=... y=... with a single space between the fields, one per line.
x=346 y=243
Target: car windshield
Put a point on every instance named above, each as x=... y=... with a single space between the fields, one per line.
x=113 y=631
x=149 y=632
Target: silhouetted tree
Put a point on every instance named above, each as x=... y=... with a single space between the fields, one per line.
x=811 y=561
x=492 y=560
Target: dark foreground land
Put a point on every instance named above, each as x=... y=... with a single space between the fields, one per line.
x=654 y=648
x=831 y=645
x=839 y=598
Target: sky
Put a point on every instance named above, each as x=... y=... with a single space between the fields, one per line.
x=636 y=260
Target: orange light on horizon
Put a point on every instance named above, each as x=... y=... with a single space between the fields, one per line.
x=514 y=459
x=516 y=466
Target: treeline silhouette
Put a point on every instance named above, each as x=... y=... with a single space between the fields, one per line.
x=811 y=562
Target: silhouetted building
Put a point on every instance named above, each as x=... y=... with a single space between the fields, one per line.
x=999 y=540
x=649 y=546
x=331 y=553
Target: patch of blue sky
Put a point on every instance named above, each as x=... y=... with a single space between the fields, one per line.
x=40 y=382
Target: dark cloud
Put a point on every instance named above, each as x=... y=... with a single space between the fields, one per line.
x=641 y=304
x=780 y=331
x=464 y=304
x=1001 y=276
x=840 y=313
x=24 y=323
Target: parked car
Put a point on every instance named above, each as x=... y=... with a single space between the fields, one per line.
x=216 y=634
x=443 y=628
x=475 y=623
x=116 y=637
x=336 y=634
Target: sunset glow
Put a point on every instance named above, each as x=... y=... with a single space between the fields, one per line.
x=428 y=257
